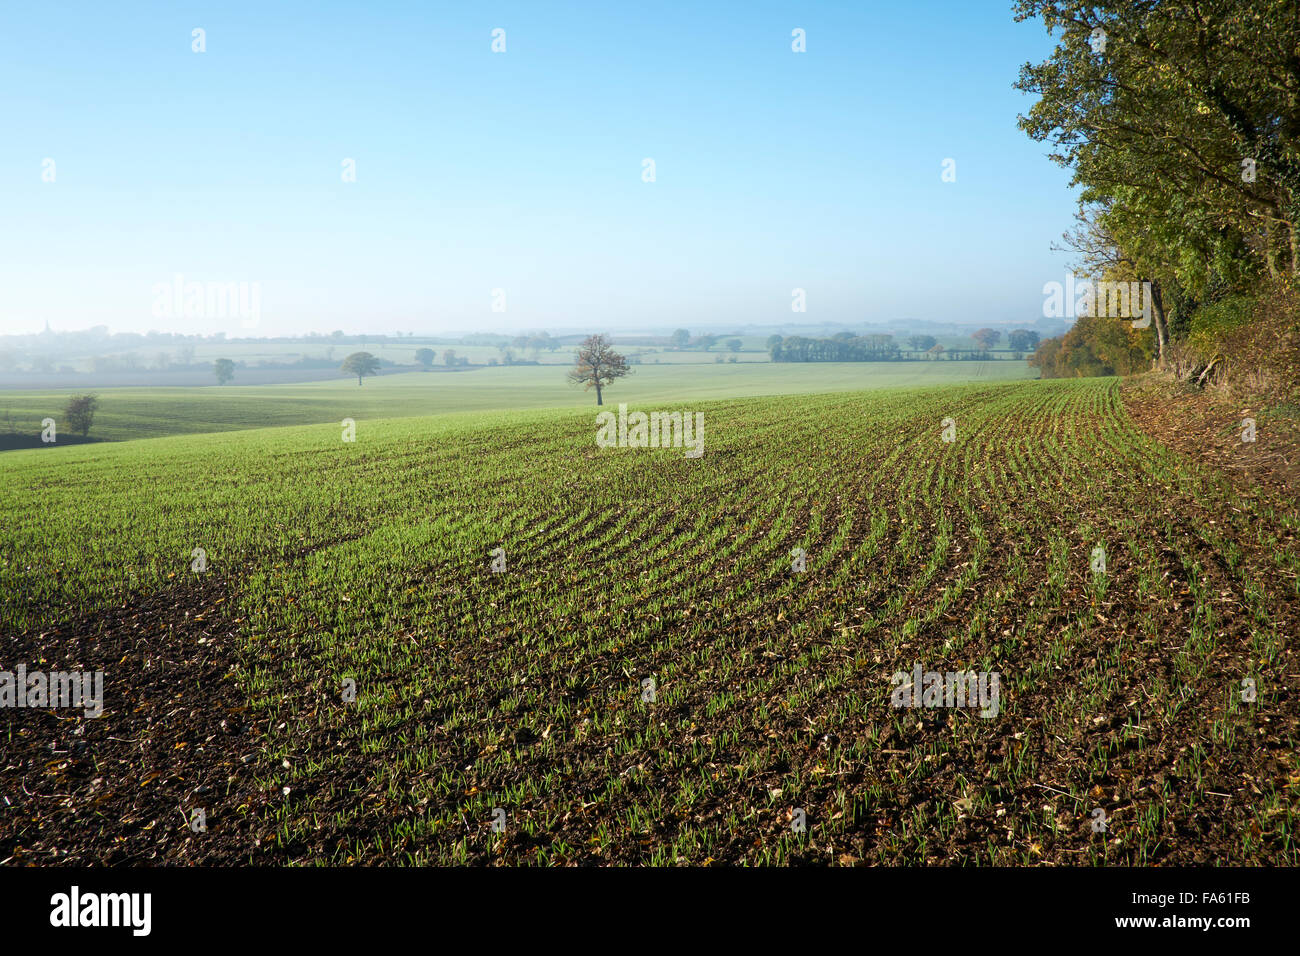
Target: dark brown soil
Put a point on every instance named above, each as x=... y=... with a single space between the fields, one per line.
x=174 y=737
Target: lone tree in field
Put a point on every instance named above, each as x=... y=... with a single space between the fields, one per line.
x=80 y=413
x=224 y=370
x=425 y=357
x=987 y=338
x=680 y=338
x=360 y=364
x=597 y=364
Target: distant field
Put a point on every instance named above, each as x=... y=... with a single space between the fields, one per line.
x=129 y=413
x=156 y=367
x=753 y=349
x=522 y=697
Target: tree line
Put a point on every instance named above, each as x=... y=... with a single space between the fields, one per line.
x=848 y=347
x=1180 y=122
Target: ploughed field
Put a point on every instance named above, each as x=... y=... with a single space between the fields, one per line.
x=350 y=681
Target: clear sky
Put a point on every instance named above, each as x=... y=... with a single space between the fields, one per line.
x=522 y=170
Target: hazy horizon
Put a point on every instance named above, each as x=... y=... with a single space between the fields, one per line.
x=905 y=325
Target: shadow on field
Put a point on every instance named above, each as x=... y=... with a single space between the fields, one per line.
x=10 y=441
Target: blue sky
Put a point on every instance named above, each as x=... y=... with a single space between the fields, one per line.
x=522 y=170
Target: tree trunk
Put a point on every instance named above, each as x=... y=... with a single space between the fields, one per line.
x=1292 y=223
x=598 y=398
x=1271 y=245
x=1162 y=328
